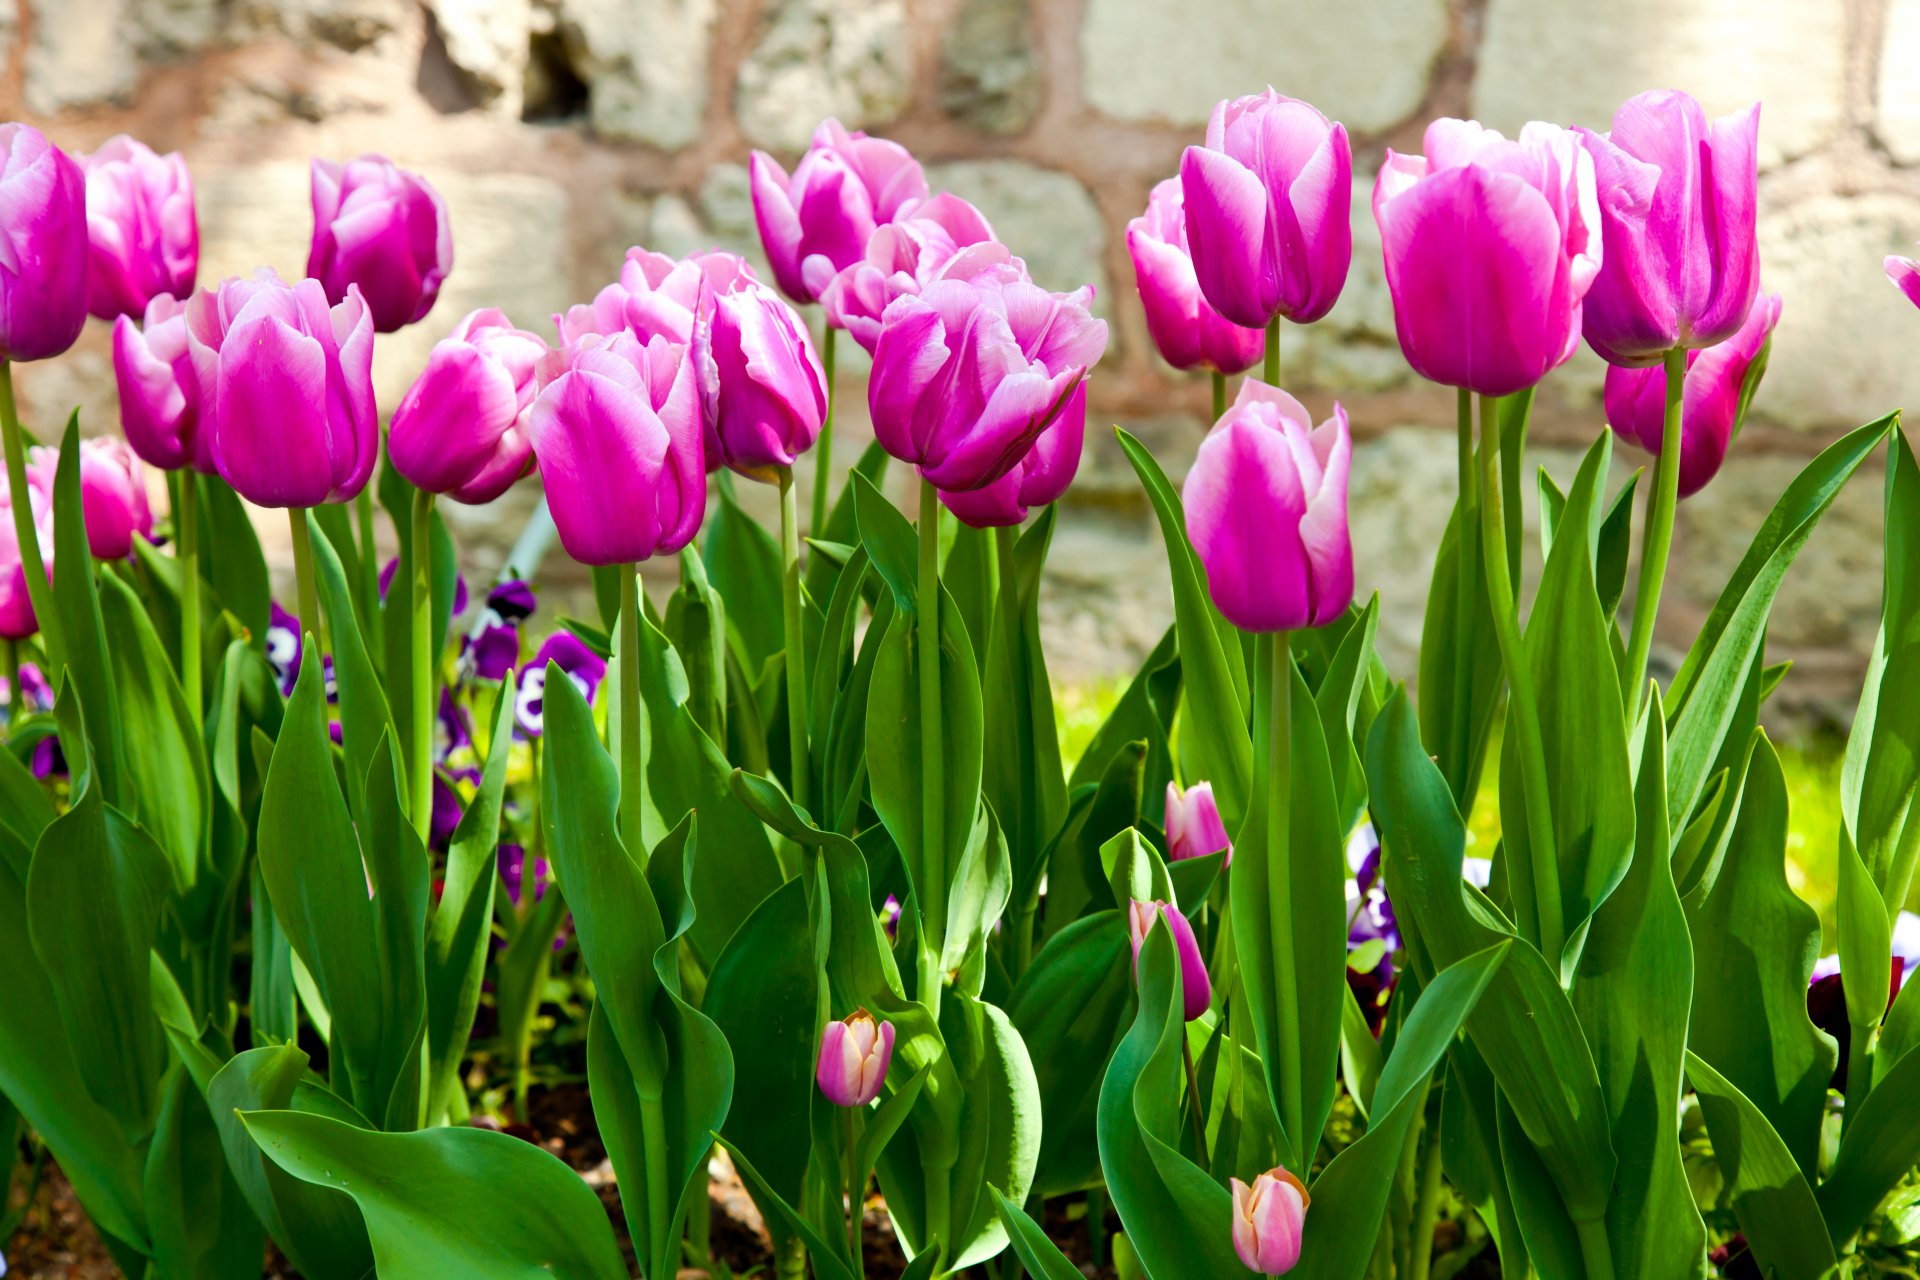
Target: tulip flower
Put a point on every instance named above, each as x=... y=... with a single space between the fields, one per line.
x=763 y=393
x=144 y=240
x=939 y=238
x=1714 y=397
x=854 y=1055
x=1680 y=264
x=1268 y=201
x=17 y=617
x=1193 y=825
x=580 y=664
x=1268 y=1219
x=616 y=430
x=1905 y=274
x=113 y=493
x=1490 y=246
x=379 y=227
x=458 y=429
x=1040 y=477
x=1184 y=326
x=1266 y=504
x=159 y=390
x=656 y=296
x=1195 y=986
x=817 y=222
x=43 y=246
x=494 y=650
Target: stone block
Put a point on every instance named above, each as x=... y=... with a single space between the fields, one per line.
x=79 y=53
x=1046 y=217
x=991 y=76
x=1897 y=122
x=644 y=63
x=850 y=59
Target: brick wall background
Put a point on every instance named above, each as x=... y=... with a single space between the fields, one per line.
x=562 y=131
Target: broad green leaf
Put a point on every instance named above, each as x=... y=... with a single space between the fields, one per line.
x=826 y=1258
x=397 y=879
x=202 y=1224
x=238 y=568
x=1866 y=939
x=843 y=524
x=1460 y=672
x=696 y=623
x=891 y=543
x=834 y=660
x=1036 y=1252
x=1338 y=698
x=1880 y=1149
x=88 y=668
x=365 y=718
x=1076 y=878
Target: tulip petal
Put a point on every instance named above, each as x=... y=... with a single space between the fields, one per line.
x=1226 y=210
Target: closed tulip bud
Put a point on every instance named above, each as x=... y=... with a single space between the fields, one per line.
x=1194 y=827
x=1678 y=201
x=763 y=393
x=113 y=493
x=1266 y=503
x=142 y=234
x=941 y=238
x=286 y=384
x=1268 y=1219
x=1189 y=333
x=1718 y=386
x=1269 y=202
x=817 y=222
x=17 y=620
x=43 y=246
x=1196 y=987
x=379 y=227
x=1490 y=248
x=458 y=429
x=159 y=390
x=656 y=296
x=854 y=1054
x=966 y=376
x=616 y=431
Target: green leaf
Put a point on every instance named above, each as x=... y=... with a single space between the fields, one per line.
x=890 y=542
x=1143 y=714
x=1460 y=673
x=1879 y=1151
x=826 y=1258
x=238 y=568
x=87 y=666
x=1036 y=1252
x=696 y=623
x=202 y=1224
x=744 y=566
x=1866 y=939
x=365 y=718
x=843 y=525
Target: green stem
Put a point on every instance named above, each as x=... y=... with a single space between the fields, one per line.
x=856 y=1189
x=1463 y=592
x=187 y=530
x=16 y=700
x=653 y=1143
x=305 y=591
x=1594 y=1248
x=1658 y=535
x=795 y=638
x=1219 y=395
x=823 y=448
x=1273 y=703
x=369 y=562
x=39 y=582
x=1526 y=713
x=420 y=634
x=1195 y=1103
x=628 y=725
x=932 y=756
x=1272 y=367
x=1426 y=1212
x=1859 y=1072
x=700 y=1218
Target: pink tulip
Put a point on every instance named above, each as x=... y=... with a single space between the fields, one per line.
x=656 y=295
x=43 y=246
x=159 y=390
x=1183 y=325
x=144 y=238
x=1905 y=274
x=1678 y=198
x=1710 y=406
x=1042 y=476
x=1266 y=503
x=113 y=493
x=286 y=385
x=17 y=620
x=854 y=1055
x=941 y=238
x=763 y=393
x=616 y=431
x=458 y=430
x=1268 y=1219
x=1490 y=248
x=1194 y=827
x=818 y=221
x=1268 y=206
x=384 y=229
x=1196 y=987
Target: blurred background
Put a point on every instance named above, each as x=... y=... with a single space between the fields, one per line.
x=563 y=131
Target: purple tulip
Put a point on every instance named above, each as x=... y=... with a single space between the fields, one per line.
x=1268 y=1219
x=1195 y=986
x=495 y=649
x=1189 y=333
x=458 y=429
x=1194 y=827
x=1269 y=203
x=656 y=296
x=43 y=246
x=1681 y=264
x=1710 y=410
x=941 y=238
x=580 y=664
x=143 y=236
x=113 y=493
x=1266 y=503
x=763 y=394
x=379 y=227
x=818 y=221
x=966 y=377
x=17 y=619
x=287 y=386
x=159 y=390
x=1490 y=248
x=616 y=429
x=854 y=1055
x=1905 y=274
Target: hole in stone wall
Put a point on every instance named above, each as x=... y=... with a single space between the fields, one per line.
x=439 y=80
x=554 y=90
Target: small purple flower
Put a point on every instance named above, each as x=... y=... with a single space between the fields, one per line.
x=495 y=649
x=515 y=874
x=582 y=665
x=1827 y=993
x=451 y=732
x=447 y=811
x=283 y=647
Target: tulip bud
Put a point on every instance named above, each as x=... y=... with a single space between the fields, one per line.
x=384 y=229
x=159 y=390
x=763 y=394
x=286 y=384
x=1269 y=202
x=1268 y=1219
x=656 y=296
x=1195 y=986
x=1713 y=397
x=1905 y=274
x=941 y=238
x=580 y=664
x=817 y=222
x=1678 y=198
x=1266 y=504
x=143 y=237
x=854 y=1054
x=616 y=430
x=1189 y=333
x=1490 y=248
x=1194 y=828
x=113 y=493
x=17 y=620
x=458 y=429
x=43 y=246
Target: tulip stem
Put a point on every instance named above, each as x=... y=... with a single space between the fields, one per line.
x=1658 y=534
x=1272 y=367
x=1526 y=713
x=823 y=450
x=1463 y=597
x=187 y=530
x=800 y=768
x=932 y=757
x=39 y=581
x=1194 y=1101
x=304 y=588
x=1595 y=1250
x=1273 y=707
x=369 y=563
x=631 y=763
x=1219 y=395
x=856 y=1185
x=420 y=627
x=1426 y=1212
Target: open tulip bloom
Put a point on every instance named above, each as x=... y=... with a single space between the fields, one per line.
x=142 y=231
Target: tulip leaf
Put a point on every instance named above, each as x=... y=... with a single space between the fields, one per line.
x=84 y=660
x=827 y=1259
x=364 y=715
x=696 y=626
x=1143 y=713
x=1076 y=876
x=1881 y=1147
x=1036 y=1252
x=834 y=656
x=1339 y=699
x=744 y=566
x=1460 y=673
x=239 y=572
x=823 y=571
x=202 y=1224
x=1866 y=940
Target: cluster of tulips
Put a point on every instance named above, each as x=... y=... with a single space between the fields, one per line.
x=843 y=909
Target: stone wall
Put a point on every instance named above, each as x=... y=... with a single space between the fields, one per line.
x=561 y=131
